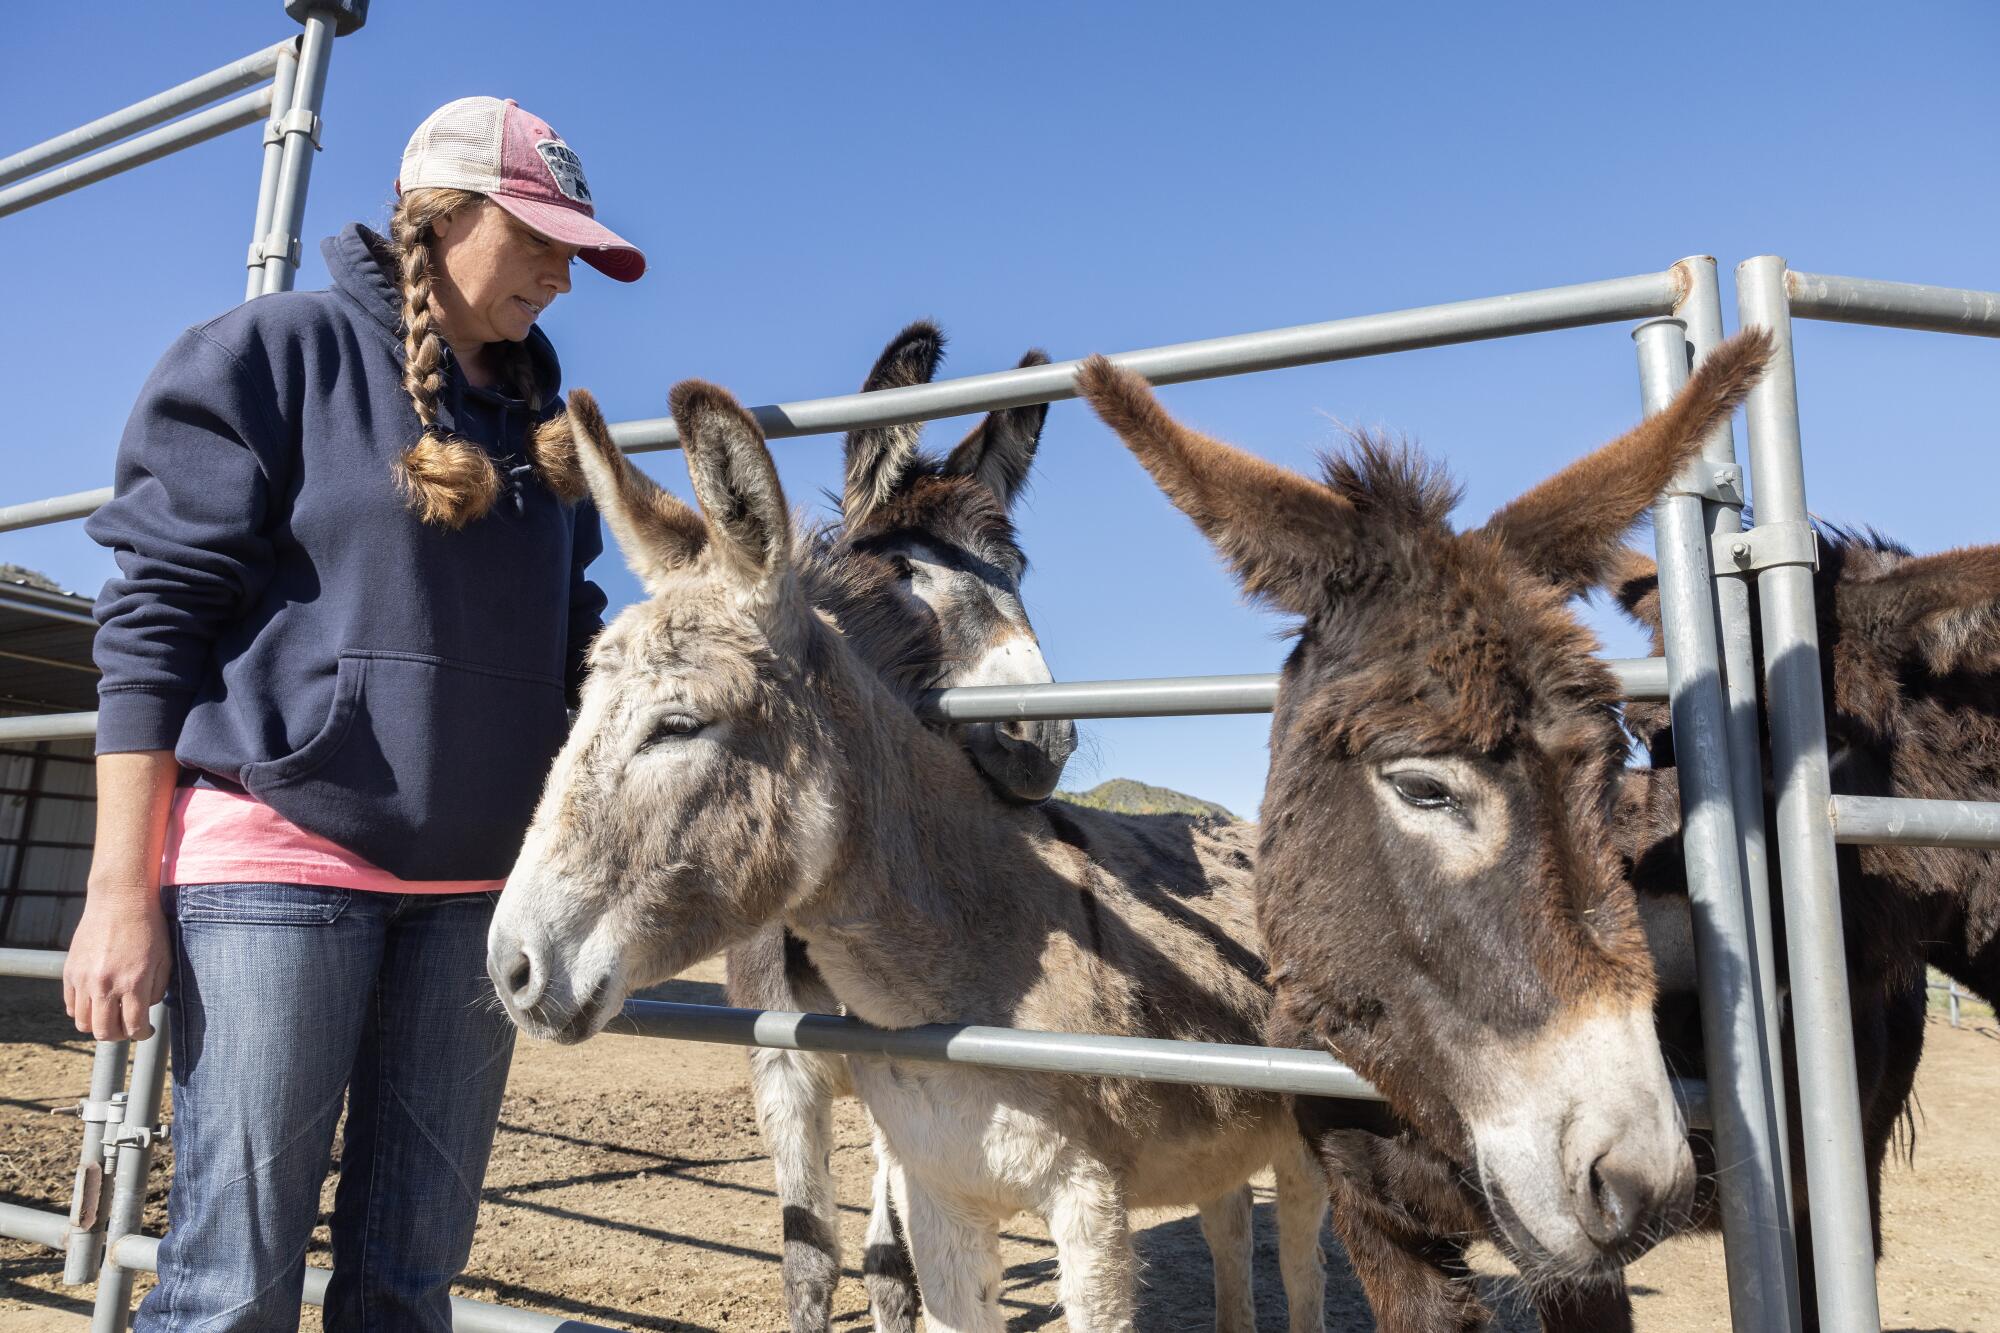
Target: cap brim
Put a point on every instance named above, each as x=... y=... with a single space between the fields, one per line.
x=598 y=246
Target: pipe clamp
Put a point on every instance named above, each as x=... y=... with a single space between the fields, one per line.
x=1719 y=482
x=1768 y=546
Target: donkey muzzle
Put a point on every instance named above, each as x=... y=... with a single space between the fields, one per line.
x=1023 y=760
x=541 y=995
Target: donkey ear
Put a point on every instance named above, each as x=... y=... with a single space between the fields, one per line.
x=1287 y=538
x=1942 y=609
x=657 y=533
x=880 y=458
x=735 y=481
x=1634 y=582
x=1000 y=450
x=1569 y=528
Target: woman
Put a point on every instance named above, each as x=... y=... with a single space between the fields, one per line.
x=351 y=613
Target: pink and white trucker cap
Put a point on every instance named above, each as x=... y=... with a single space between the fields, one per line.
x=517 y=161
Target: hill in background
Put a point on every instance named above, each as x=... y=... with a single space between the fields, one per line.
x=1126 y=797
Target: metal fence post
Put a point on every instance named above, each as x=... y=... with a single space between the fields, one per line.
x=135 y=1138
x=283 y=82
x=1823 y=1033
x=1701 y=308
x=300 y=128
x=1756 y=1216
x=83 y=1250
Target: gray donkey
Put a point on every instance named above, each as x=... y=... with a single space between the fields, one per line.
x=927 y=538
x=735 y=764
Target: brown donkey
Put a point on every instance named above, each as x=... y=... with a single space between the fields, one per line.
x=1910 y=662
x=1911 y=658
x=1437 y=884
x=924 y=539
x=735 y=764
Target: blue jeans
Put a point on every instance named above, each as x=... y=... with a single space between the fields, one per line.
x=285 y=999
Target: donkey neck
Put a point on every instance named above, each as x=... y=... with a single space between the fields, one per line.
x=935 y=883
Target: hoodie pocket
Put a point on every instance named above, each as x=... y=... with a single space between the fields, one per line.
x=427 y=767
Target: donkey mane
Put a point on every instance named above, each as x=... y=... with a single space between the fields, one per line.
x=855 y=588
x=984 y=529
x=1393 y=478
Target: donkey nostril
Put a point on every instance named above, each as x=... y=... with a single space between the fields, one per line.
x=520 y=974
x=1617 y=1204
x=1016 y=731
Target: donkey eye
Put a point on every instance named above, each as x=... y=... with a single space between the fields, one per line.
x=904 y=569
x=673 y=727
x=1423 y=791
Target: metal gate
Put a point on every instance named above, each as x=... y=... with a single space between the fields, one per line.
x=1707 y=561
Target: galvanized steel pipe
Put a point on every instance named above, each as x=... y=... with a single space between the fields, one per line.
x=55 y=509
x=33 y=1224
x=288 y=213
x=90 y=1199
x=1701 y=311
x=196 y=92
x=1541 y=311
x=1756 y=1215
x=113 y=1308
x=1264 y=1069
x=48 y=727
x=199 y=128
x=1893 y=821
x=467 y=1316
x=38 y=964
x=1167 y=696
x=284 y=82
x=1896 y=305
x=1259 y=1068
x=1829 y=1098
x=1366 y=335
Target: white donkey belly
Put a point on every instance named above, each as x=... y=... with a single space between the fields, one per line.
x=1195 y=1170
x=980 y=1139
x=997 y=1138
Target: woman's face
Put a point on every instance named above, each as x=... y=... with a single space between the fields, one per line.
x=495 y=276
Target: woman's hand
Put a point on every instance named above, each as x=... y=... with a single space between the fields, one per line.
x=120 y=956
x=118 y=964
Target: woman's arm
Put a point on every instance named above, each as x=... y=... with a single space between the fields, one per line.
x=119 y=958
x=196 y=471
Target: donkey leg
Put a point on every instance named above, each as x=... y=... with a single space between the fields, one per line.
x=793 y=1091
x=957 y=1256
x=1302 y=1208
x=1093 y=1237
x=1225 y=1225
x=886 y=1268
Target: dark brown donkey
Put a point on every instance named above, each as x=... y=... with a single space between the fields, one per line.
x=1911 y=664
x=1910 y=661
x=925 y=538
x=1441 y=902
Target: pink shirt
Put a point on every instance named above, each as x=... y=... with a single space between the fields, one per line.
x=218 y=837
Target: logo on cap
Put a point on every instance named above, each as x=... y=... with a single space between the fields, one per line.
x=564 y=165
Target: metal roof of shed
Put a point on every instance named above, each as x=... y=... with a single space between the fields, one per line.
x=45 y=663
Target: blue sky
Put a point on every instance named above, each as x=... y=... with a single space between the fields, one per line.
x=806 y=179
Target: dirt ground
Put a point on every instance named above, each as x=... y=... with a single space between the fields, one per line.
x=627 y=1188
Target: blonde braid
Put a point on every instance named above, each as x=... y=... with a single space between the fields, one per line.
x=448 y=482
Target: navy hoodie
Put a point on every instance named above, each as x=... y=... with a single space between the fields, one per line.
x=288 y=627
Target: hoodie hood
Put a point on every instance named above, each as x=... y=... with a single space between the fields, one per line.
x=359 y=259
